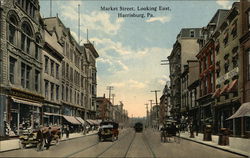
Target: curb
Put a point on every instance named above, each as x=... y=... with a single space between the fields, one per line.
x=60 y=141
x=227 y=150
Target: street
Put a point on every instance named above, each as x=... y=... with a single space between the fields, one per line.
x=129 y=144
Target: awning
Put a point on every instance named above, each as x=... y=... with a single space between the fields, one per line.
x=216 y=93
x=80 y=120
x=232 y=85
x=243 y=111
x=72 y=120
x=26 y=102
x=90 y=122
x=51 y=114
x=224 y=89
x=96 y=122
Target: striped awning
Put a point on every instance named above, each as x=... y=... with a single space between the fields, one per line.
x=80 y=120
x=72 y=120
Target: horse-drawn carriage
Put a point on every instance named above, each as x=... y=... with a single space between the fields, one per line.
x=170 y=130
x=34 y=137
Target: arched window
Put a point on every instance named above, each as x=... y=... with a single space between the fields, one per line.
x=25 y=37
x=12 y=30
x=37 y=49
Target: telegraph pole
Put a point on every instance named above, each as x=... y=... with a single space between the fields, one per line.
x=150 y=119
x=147 y=119
x=79 y=24
x=157 y=117
x=50 y=8
x=113 y=99
x=110 y=88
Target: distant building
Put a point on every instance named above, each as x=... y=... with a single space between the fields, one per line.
x=165 y=104
x=185 y=48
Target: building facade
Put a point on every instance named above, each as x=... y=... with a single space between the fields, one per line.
x=185 y=48
x=206 y=58
x=227 y=71
x=244 y=58
x=20 y=83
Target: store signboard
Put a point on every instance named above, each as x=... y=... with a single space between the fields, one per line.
x=227 y=76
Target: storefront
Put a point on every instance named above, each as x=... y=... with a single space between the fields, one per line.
x=52 y=115
x=23 y=114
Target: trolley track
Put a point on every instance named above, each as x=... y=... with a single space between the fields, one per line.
x=145 y=140
x=95 y=144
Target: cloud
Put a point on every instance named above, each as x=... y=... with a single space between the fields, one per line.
x=74 y=35
x=98 y=21
x=162 y=19
x=130 y=84
x=226 y=4
x=111 y=66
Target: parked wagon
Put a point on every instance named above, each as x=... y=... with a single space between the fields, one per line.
x=31 y=137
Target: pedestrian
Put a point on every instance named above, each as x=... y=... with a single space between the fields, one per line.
x=67 y=131
x=48 y=138
x=40 y=139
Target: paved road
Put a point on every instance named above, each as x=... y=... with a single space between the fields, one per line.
x=129 y=144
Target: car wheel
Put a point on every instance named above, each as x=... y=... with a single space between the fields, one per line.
x=22 y=145
x=113 y=138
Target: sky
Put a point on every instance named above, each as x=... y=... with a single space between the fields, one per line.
x=131 y=48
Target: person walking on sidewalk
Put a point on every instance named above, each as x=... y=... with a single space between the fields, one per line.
x=40 y=139
x=67 y=131
x=48 y=138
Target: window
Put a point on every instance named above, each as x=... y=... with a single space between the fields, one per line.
x=51 y=91
x=67 y=93
x=28 y=69
x=71 y=74
x=192 y=33
x=70 y=95
x=211 y=58
x=46 y=69
x=12 y=30
x=234 y=29
x=225 y=40
x=12 y=62
x=46 y=88
x=248 y=19
x=248 y=53
x=52 y=67
x=37 y=49
x=63 y=69
x=57 y=71
x=212 y=81
x=25 y=37
x=37 y=75
x=57 y=92
x=25 y=75
x=67 y=71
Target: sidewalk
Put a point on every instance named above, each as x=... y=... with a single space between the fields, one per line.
x=238 y=146
x=13 y=144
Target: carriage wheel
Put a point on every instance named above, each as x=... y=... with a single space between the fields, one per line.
x=22 y=145
x=113 y=138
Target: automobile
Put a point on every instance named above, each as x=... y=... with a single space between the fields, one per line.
x=108 y=130
x=29 y=137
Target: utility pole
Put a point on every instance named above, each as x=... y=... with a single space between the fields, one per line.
x=113 y=99
x=110 y=88
x=147 y=119
x=150 y=119
x=156 y=103
x=50 y=8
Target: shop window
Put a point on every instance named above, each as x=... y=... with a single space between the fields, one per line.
x=37 y=75
x=12 y=30
x=12 y=65
x=25 y=37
